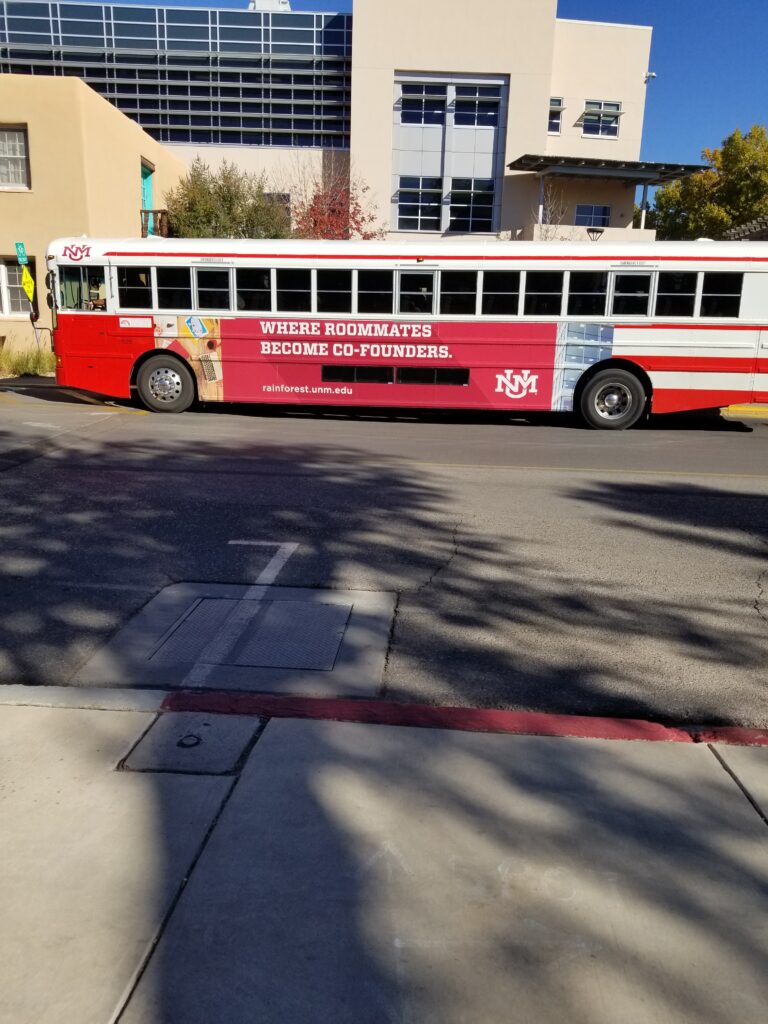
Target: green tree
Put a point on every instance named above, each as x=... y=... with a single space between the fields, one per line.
x=227 y=203
x=732 y=191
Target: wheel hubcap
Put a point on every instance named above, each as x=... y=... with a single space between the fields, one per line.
x=165 y=384
x=613 y=401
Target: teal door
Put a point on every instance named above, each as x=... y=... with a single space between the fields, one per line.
x=146 y=195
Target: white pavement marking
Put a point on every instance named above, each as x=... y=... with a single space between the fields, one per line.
x=226 y=638
x=273 y=568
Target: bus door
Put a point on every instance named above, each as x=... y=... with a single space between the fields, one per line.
x=761 y=374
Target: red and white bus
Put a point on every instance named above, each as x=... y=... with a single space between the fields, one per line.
x=609 y=330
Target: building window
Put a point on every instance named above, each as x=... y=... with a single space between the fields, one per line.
x=14 y=158
x=471 y=204
x=423 y=103
x=13 y=298
x=419 y=204
x=589 y=216
x=555 y=115
x=601 y=118
x=477 y=105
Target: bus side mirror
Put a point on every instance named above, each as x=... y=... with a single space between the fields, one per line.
x=49 y=281
x=49 y=300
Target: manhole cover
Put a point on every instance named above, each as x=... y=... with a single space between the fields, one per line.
x=259 y=634
x=217 y=636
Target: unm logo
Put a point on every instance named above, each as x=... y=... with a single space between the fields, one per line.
x=76 y=252
x=517 y=385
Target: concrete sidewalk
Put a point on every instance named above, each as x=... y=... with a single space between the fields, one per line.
x=311 y=872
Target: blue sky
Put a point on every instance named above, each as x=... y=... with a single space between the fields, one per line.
x=711 y=62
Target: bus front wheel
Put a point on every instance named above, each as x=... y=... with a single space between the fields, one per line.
x=165 y=385
x=613 y=400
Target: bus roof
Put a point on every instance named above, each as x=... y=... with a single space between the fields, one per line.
x=83 y=249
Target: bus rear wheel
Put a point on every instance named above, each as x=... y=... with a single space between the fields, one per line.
x=165 y=384
x=613 y=400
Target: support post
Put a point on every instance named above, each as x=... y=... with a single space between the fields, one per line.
x=643 y=205
x=541 y=199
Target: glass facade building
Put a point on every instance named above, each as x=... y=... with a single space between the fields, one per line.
x=195 y=75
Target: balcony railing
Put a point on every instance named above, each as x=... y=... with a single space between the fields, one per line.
x=154 y=222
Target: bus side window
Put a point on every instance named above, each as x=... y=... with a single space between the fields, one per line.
x=458 y=291
x=501 y=292
x=82 y=288
x=253 y=289
x=631 y=294
x=721 y=294
x=334 y=291
x=174 y=288
x=294 y=291
x=134 y=287
x=375 y=291
x=543 y=293
x=97 y=288
x=71 y=287
x=676 y=293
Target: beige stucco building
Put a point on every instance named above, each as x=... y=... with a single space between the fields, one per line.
x=72 y=165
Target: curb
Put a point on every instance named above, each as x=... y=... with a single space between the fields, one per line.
x=750 y=412
x=377 y=712
x=520 y=723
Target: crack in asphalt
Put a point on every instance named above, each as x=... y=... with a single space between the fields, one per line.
x=761 y=595
x=444 y=565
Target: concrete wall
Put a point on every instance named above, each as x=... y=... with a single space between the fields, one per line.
x=85 y=175
x=277 y=163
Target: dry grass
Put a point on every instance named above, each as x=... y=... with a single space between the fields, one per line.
x=27 y=362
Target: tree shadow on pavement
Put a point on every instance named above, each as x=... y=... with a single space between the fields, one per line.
x=365 y=875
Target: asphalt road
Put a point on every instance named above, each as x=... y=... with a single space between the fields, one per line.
x=538 y=565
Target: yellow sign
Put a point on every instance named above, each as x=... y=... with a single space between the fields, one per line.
x=28 y=283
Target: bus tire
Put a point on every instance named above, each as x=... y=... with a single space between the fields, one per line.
x=613 y=400
x=165 y=384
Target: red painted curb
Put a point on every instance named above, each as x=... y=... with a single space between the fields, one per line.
x=525 y=723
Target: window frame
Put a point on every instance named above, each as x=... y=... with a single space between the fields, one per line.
x=6 y=288
x=212 y=312
x=25 y=186
x=419 y=193
x=604 y=111
x=555 y=107
x=632 y=272
x=595 y=221
x=114 y=286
